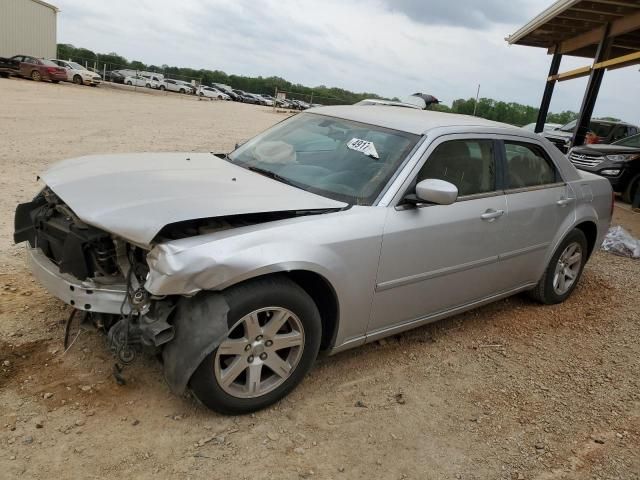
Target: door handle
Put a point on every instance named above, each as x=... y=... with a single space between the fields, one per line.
x=563 y=202
x=491 y=214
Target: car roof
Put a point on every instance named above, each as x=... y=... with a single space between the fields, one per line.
x=404 y=119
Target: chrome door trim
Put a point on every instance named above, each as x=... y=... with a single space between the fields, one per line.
x=386 y=331
x=523 y=251
x=408 y=280
x=535 y=187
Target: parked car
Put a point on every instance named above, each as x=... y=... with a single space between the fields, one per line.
x=246 y=97
x=190 y=88
x=176 y=86
x=155 y=81
x=548 y=127
x=618 y=162
x=37 y=69
x=140 y=81
x=211 y=93
x=228 y=90
x=8 y=67
x=602 y=131
x=78 y=74
x=268 y=99
x=334 y=228
x=115 y=76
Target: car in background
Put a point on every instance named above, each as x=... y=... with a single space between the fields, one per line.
x=212 y=93
x=548 y=127
x=8 y=67
x=118 y=76
x=140 y=81
x=176 y=86
x=268 y=99
x=156 y=81
x=78 y=74
x=618 y=162
x=246 y=97
x=601 y=131
x=191 y=90
x=228 y=90
x=299 y=105
x=37 y=69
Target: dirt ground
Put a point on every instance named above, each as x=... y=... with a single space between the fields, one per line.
x=513 y=390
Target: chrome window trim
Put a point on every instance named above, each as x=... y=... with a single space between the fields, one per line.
x=535 y=187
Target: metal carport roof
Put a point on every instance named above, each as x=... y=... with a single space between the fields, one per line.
x=607 y=31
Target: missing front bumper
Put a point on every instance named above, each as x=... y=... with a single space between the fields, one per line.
x=83 y=295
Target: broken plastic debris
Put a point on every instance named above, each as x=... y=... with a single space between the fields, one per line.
x=363 y=146
x=620 y=242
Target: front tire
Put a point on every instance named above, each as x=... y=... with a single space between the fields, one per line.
x=564 y=270
x=77 y=79
x=273 y=339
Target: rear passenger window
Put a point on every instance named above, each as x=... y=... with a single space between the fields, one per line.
x=527 y=166
x=468 y=164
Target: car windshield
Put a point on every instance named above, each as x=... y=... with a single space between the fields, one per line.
x=76 y=66
x=633 y=141
x=336 y=158
x=48 y=63
x=599 y=128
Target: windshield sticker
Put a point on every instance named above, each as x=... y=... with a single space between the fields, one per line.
x=363 y=146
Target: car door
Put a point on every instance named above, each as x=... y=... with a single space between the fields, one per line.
x=539 y=203
x=438 y=257
x=27 y=65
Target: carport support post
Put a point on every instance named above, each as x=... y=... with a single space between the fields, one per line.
x=548 y=93
x=591 y=93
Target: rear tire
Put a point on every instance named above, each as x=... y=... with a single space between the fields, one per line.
x=162 y=88
x=129 y=83
x=262 y=300
x=36 y=76
x=564 y=270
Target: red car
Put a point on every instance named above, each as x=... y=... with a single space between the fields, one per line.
x=38 y=69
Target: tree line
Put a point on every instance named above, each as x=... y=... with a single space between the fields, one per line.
x=499 y=111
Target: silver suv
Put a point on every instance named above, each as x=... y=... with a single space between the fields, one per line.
x=334 y=228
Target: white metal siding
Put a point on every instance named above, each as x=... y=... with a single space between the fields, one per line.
x=27 y=27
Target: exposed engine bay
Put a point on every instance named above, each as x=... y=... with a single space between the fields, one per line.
x=98 y=259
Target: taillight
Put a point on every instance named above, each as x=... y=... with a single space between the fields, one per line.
x=52 y=69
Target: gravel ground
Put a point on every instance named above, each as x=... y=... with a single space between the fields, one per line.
x=513 y=390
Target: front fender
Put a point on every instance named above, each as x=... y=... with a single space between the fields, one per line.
x=212 y=267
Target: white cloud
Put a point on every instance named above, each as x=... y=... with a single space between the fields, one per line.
x=378 y=46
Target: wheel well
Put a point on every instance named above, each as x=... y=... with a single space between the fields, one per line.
x=324 y=296
x=591 y=232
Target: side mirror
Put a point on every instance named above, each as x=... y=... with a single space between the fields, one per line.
x=436 y=191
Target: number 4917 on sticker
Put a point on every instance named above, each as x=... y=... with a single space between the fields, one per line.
x=363 y=146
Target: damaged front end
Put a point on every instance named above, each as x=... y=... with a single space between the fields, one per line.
x=94 y=272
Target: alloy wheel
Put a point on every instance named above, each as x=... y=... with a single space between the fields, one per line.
x=567 y=268
x=260 y=352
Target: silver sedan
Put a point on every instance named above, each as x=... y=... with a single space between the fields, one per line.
x=334 y=228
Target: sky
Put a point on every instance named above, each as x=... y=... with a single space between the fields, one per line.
x=389 y=47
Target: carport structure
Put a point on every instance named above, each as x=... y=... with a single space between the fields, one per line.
x=607 y=31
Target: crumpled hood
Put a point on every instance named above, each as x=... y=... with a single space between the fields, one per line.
x=135 y=195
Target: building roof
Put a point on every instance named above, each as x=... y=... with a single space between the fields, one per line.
x=403 y=119
x=575 y=27
x=45 y=4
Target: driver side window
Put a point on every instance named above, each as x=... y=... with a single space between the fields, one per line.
x=468 y=164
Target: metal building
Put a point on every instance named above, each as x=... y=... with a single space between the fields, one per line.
x=27 y=27
x=607 y=31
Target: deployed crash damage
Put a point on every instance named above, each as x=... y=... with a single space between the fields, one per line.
x=331 y=229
